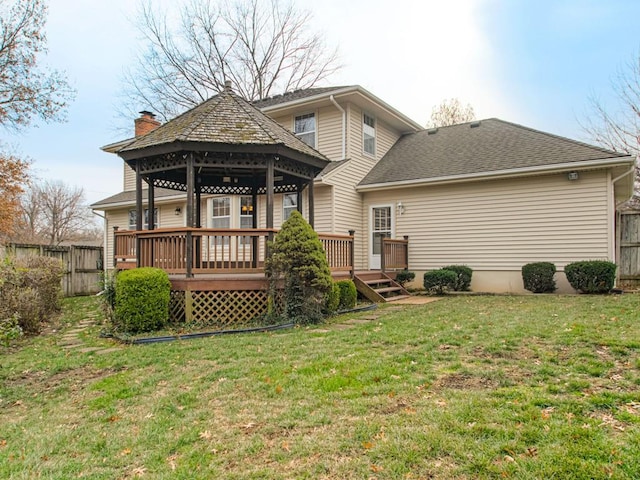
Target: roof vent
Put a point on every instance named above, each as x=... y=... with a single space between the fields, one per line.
x=474 y=124
x=432 y=131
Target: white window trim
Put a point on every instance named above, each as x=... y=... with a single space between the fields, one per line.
x=144 y=226
x=375 y=134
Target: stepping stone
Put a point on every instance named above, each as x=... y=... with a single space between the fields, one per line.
x=75 y=331
x=70 y=341
x=321 y=330
x=107 y=350
x=342 y=326
x=370 y=317
x=75 y=345
x=89 y=349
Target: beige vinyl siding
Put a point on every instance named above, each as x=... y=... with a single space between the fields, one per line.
x=385 y=138
x=129 y=178
x=500 y=225
x=323 y=199
x=330 y=132
x=115 y=218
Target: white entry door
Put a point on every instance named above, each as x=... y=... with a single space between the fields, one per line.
x=381 y=225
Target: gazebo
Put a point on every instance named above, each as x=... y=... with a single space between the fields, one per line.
x=222 y=146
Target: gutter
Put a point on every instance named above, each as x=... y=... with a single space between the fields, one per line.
x=344 y=126
x=513 y=172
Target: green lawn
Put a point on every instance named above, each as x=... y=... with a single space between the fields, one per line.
x=532 y=387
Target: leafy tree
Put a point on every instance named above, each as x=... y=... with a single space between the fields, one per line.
x=27 y=89
x=261 y=46
x=13 y=177
x=618 y=127
x=451 y=112
x=298 y=262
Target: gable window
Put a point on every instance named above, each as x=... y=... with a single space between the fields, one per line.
x=305 y=128
x=133 y=217
x=369 y=134
x=289 y=204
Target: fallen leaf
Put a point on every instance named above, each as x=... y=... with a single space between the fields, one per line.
x=367 y=445
x=113 y=418
x=3 y=443
x=138 y=472
x=278 y=389
x=172 y=461
x=376 y=468
x=206 y=435
x=509 y=458
x=124 y=452
x=285 y=446
x=532 y=451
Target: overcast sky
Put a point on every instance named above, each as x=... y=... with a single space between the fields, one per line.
x=533 y=62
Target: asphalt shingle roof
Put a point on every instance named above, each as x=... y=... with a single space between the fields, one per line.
x=485 y=146
x=130 y=196
x=223 y=119
x=295 y=95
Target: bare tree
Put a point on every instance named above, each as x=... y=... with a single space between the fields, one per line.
x=451 y=112
x=27 y=90
x=262 y=46
x=54 y=212
x=618 y=128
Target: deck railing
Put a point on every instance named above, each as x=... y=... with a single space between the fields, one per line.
x=395 y=254
x=213 y=250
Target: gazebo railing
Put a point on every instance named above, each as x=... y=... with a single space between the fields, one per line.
x=213 y=250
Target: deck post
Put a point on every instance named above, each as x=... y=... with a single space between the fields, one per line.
x=311 y=204
x=352 y=254
x=115 y=241
x=270 y=191
x=254 y=225
x=139 y=211
x=406 y=251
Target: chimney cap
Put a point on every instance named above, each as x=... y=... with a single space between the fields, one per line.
x=227 y=85
x=147 y=113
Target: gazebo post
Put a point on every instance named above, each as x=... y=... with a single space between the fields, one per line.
x=254 y=225
x=190 y=214
x=152 y=206
x=311 y=204
x=270 y=191
x=139 y=211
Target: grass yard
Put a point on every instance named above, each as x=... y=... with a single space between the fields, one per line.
x=532 y=387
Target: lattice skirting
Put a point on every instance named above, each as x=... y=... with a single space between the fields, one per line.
x=218 y=310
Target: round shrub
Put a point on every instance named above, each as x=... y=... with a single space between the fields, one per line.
x=142 y=300
x=439 y=281
x=332 y=300
x=538 y=277
x=348 y=294
x=463 y=277
x=591 y=276
x=405 y=276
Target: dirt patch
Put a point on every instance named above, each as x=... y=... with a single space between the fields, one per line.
x=463 y=381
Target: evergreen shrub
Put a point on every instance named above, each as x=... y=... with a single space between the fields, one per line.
x=332 y=299
x=538 y=277
x=463 y=277
x=405 y=276
x=297 y=262
x=439 y=281
x=141 y=300
x=348 y=294
x=591 y=276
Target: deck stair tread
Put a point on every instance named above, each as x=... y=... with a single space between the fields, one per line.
x=378 y=287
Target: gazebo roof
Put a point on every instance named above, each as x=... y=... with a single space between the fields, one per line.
x=224 y=123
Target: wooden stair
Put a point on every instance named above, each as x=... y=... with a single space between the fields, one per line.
x=378 y=287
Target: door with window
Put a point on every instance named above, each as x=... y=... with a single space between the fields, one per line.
x=381 y=225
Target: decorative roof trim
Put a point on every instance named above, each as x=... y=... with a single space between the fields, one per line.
x=499 y=174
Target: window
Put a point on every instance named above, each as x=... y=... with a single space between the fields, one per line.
x=246 y=216
x=369 y=134
x=221 y=216
x=305 y=128
x=381 y=227
x=133 y=217
x=289 y=204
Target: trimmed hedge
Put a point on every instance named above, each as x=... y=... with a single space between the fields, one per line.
x=463 y=277
x=591 y=276
x=439 y=281
x=538 y=277
x=405 y=276
x=142 y=300
x=348 y=294
x=332 y=300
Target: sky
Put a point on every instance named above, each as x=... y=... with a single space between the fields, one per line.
x=532 y=62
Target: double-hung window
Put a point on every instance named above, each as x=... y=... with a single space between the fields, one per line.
x=369 y=134
x=221 y=215
x=304 y=126
x=289 y=204
x=133 y=217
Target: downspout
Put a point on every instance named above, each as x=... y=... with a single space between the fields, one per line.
x=344 y=126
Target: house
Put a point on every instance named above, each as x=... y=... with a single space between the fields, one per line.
x=489 y=194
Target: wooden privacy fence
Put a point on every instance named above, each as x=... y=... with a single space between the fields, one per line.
x=629 y=243
x=82 y=264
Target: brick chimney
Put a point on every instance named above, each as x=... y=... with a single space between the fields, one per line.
x=145 y=123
